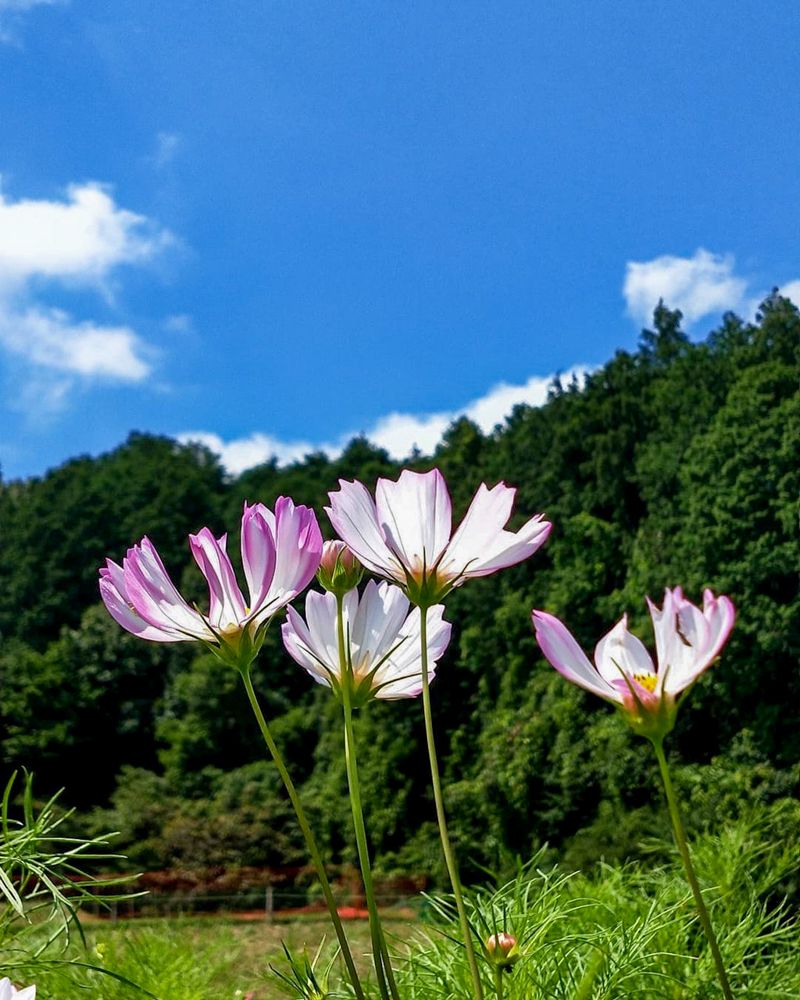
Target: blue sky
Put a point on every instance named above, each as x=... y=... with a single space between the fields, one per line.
x=281 y=223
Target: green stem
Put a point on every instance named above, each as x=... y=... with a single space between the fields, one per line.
x=309 y=836
x=449 y=856
x=680 y=836
x=498 y=982
x=380 y=953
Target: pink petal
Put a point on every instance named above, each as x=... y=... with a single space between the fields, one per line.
x=112 y=591
x=154 y=596
x=298 y=549
x=564 y=653
x=258 y=553
x=226 y=603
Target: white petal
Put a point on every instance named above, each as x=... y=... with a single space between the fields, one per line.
x=620 y=651
x=355 y=517
x=381 y=612
x=481 y=545
x=415 y=516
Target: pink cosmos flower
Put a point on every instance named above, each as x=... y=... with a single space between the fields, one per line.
x=406 y=533
x=8 y=991
x=384 y=638
x=687 y=641
x=280 y=554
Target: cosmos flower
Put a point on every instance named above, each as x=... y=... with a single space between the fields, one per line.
x=384 y=656
x=687 y=641
x=406 y=534
x=280 y=554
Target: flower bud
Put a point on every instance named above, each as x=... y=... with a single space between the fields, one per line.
x=339 y=570
x=501 y=950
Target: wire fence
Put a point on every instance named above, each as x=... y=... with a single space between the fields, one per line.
x=265 y=903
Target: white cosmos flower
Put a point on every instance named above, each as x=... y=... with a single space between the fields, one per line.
x=406 y=533
x=384 y=641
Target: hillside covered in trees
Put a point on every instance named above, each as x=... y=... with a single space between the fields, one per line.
x=676 y=464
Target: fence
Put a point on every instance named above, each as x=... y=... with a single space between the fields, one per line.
x=268 y=903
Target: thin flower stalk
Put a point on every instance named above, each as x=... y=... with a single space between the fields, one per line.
x=683 y=847
x=311 y=842
x=447 y=848
x=380 y=952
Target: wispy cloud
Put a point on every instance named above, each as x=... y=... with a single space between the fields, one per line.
x=167 y=146
x=79 y=241
x=699 y=286
x=11 y=11
x=398 y=433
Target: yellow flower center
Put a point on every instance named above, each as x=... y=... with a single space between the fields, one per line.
x=648 y=681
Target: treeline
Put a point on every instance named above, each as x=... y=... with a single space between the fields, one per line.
x=676 y=464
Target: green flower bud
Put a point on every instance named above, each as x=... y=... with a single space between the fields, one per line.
x=501 y=950
x=339 y=570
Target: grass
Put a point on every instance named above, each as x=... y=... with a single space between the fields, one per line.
x=619 y=933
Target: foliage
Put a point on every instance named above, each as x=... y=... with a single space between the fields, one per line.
x=673 y=464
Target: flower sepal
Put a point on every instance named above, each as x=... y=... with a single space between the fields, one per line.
x=425 y=589
x=653 y=721
x=239 y=648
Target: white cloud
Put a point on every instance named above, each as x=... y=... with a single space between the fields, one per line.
x=244 y=453
x=50 y=338
x=398 y=433
x=791 y=290
x=81 y=240
x=698 y=285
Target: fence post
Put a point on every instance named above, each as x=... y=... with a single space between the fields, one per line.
x=269 y=903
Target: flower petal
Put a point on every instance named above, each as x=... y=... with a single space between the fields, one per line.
x=156 y=599
x=564 y=653
x=115 y=598
x=381 y=612
x=354 y=516
x=226 y=604
x=687 y=638
x=618 y=652
x=298 y=549
x=415 y=516
x=304 y=647
x=481 y=546
x=401 y=675
x=258 y=553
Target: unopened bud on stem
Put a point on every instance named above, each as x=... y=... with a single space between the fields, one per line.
x=339 y=570
x=501 y=950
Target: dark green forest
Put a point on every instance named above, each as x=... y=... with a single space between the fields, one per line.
x=674 y=464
